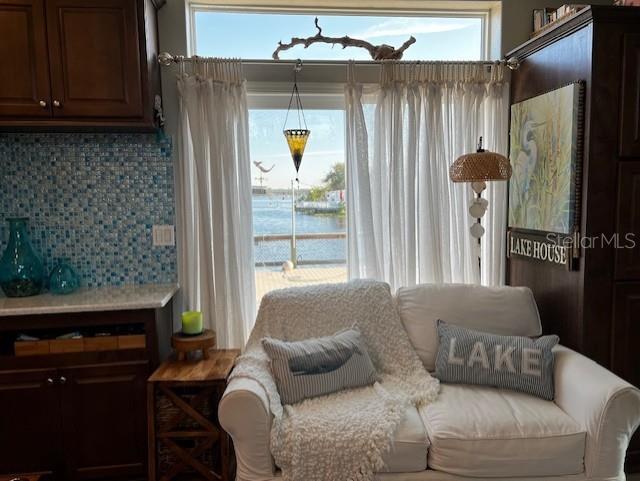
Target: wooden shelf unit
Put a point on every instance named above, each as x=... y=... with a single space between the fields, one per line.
x=193 y=389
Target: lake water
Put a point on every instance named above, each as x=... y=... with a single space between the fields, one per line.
x=272 y=215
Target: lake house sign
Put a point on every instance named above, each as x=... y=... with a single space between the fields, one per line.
x=542 y=248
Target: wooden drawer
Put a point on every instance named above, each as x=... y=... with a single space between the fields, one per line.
x=133 y=341
x=101 y=343
x=66 y=345
x=30 y=348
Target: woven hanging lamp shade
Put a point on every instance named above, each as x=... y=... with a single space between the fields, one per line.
x=480 y=166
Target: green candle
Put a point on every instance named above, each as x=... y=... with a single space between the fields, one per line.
x=192 y=322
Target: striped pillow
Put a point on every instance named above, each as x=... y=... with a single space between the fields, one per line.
x=313 y=367
x=510 y=362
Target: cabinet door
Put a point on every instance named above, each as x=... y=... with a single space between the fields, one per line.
x=30 y=423
x=94 y=51
x=626 y=331
x=24 y=75
x=627 y=265
x=630 y=121
x=104 y=419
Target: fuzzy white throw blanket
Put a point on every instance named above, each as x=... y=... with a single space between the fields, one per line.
x=341 y=436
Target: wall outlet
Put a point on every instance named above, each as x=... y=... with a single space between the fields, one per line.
x=163 y=235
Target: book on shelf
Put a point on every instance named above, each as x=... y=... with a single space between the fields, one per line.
x=543 y=17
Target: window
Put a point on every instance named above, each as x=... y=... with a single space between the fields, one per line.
x=438 y=37
x=314 y=210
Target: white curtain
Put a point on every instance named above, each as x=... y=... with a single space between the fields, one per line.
x=214 y=199
x=407 y=222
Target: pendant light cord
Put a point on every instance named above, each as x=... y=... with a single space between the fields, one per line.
x=296 y=93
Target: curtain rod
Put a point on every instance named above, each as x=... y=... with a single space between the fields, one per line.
x=166 y=59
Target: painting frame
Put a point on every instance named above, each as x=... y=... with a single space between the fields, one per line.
x=545 y=152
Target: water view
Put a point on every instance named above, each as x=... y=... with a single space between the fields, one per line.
x=272 y=231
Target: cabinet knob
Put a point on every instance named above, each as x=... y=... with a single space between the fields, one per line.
x=50 y=381
x=42 y=104
x=57 y=104
x=62 y=380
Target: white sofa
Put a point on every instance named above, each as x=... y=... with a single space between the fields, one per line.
x=476 y=432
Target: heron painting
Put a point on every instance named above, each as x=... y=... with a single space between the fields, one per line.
x=545 y=158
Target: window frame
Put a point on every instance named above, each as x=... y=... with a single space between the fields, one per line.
x=469 y=9
x=269 y=81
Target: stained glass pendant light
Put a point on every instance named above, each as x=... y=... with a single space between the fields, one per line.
x=296 y=138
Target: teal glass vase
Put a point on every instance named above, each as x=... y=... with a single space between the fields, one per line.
x=21 y=270
x=63 y=279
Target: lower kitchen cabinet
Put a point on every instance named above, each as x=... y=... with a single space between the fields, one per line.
x=79 y=414
x=30 y=421
x=104 y=420
x=85 y=422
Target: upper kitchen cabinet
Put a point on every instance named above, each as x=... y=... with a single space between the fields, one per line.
x=24 y=76
x=78 y=64
x=95 y=58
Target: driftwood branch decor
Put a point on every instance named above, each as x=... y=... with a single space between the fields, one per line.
x=377 y=52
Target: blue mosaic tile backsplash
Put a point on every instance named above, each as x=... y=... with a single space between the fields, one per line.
x=91 y=198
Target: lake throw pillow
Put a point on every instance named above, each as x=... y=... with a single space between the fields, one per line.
x=314 y=367
x=518 y=363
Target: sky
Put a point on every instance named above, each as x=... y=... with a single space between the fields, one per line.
x=255 y=36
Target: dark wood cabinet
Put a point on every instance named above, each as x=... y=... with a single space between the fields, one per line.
x=74 y=63
x=30 y=421
x=630 y=120
x=626 y=331
x=100 y=73
x=79 y=415
x=594 y=309
x=104 y=420
x=24 y=76
x=628 y=221
x=85 y=422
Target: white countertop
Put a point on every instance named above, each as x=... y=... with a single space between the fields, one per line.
x=147 y=296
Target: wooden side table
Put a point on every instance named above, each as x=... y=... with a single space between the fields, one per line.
x=189 y=386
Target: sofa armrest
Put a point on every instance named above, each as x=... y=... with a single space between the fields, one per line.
x=607 y=407
x=244 y=413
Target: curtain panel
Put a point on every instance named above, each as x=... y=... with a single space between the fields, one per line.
x=214 y=199
x=407 y=222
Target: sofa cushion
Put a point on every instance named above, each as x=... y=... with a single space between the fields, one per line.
x=318 y=366
x=480 y=431
x=518 y=363
x=508 y=311
x=410 y=445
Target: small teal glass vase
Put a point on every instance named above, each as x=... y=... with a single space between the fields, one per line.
x=21 y=270
x=63 y=279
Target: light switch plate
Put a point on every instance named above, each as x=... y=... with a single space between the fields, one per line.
x=163 y=235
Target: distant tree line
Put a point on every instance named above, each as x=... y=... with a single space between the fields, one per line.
x=334 y=180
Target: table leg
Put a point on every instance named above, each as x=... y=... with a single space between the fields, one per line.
x=151 y=429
